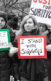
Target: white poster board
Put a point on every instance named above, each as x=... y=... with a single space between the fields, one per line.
x=32 y=46
x=41 y=9
x=4 y=39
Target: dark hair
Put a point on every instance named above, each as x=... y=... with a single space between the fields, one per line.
x=13 y=23
x=4 y=17
x=44 y=25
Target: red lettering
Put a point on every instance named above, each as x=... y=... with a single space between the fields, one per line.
x=34 y=1
x=40 y=1
x=45 y=2
x=49 y=2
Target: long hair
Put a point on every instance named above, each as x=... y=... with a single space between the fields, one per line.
x=24 y=21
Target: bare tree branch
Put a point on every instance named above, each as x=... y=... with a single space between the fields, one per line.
x=8 y=3
x=11 y=4
x=20 y=10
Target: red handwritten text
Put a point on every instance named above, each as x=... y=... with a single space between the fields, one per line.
x=42 y=1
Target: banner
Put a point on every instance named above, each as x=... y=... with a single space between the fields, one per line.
x=41 y=9
x=4 y=39
x=32 y=47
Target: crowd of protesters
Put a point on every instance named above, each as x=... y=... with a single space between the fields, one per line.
x=24 y=69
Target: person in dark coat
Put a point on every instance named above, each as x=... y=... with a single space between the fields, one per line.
x=43 y=30
x=31 y=69
x=13 y=51
x=49 y=54
x=5 y=60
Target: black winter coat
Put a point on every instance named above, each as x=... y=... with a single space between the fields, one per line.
x=5 y=63
x=15 y=63
x=5 y=66
x=31 y=68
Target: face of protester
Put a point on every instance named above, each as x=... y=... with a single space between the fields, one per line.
x=42 y=28
x=2 y=22
x=29 y=25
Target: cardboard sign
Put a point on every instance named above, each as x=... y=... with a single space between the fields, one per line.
x=41 y=9
x=32 y=47
x=4 y=39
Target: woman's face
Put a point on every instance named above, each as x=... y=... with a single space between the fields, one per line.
x=42 y=28
x=29 y=25
x=2 y=22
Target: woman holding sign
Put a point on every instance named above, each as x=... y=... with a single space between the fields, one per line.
x=44 y=30
x=4 y=57
x=31 y=68
x=5 y=60
x=13 y=52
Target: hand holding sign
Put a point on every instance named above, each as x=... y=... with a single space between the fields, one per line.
x=12 y=51
x=48 y=47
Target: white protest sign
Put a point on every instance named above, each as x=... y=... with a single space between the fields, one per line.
x=41 y=9
x=4 y=39
x=32 y=47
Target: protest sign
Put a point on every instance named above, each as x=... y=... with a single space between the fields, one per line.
x=32 y=47
x=41 y=9
x=4 y=39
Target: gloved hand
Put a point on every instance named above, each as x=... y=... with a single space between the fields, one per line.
x=48 y=47
x=12 y=51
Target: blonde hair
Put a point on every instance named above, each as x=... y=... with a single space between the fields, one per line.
x=25 y=19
